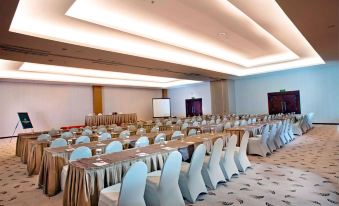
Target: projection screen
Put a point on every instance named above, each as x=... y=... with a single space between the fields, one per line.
x=161 y=107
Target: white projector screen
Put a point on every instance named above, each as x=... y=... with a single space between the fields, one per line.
x=161 y=107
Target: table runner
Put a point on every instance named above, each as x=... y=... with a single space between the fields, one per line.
x=97 y=120
x=54 y=159
x=85 y=181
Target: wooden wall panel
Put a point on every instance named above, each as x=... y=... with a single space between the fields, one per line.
x=97 y=99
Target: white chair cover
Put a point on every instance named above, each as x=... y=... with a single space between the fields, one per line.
x=258 y=145
x=160 y=137
x=114 y=146
x=240 y=155
x=192 y=132
x=227 y=163
x=82 y=139
x=105 y=136
x=66 y=135
x=271 y=138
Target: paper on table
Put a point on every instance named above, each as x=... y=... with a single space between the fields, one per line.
x=101 y=144
x=100 y=163
x=141 y=154
x=69 y=149
x=167 y=148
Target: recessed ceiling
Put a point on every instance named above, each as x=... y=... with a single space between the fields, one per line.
x=204 y=38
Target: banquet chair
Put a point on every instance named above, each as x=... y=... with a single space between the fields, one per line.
x=142 y=142
x=211 y=121
x=243 y=122
x=204 y=122
x=179 y=122
x=87 y=132
x=286 y=131
x=124 y=134
x=53 y=132
x=249 y=121
x=290 y=131
x=227 y=125
x=162 y=187
x=155 y=129
x=227 y=162
x=192 y=132
x=43 y=137
x=158 y=124
x=258 y=145
x=141 y=131
x=66 y=135
x=168 y=123
x=59 y=142
x=131 y=128
x=78 y=153
x=102 y=130
x=219 y=128
x=117 y=129
x=240 y=156
x=74 y=130
x=82 y=139
x=277 y=141
x=282 y=133
x=191 y=182
x=211 y=170
x=236 y=123
x=218 y=121
x=184 y=126
x=105 y=136
x=176 y=135
x=130 y=191
x=271 y=138
x=195 y=124
x=254 y=120
x=112 y=126
x=113 y=147
x=159 y=138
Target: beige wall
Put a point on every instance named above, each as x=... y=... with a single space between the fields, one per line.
x=130 y=100
x=53 y=105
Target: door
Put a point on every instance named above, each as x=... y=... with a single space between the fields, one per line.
x=284 y=102
x=193 y=107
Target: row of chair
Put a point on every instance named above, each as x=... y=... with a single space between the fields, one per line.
x=179 y=180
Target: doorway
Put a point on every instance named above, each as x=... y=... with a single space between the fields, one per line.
x=284 y=102
x=193 y=107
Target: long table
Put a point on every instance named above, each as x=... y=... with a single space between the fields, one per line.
x=96 y=120
x=85 y=180
x=54 y=159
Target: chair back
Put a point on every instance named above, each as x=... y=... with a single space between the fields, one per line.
x=243 y=122
x=82 y=139
x=168 y=123
x=195 y=124
x=87 y=132
x=218 y=121
x=179 y=121
x=219 y=128
x=176 y=135
x=184 y=126
x=230 y=148
x=159 y=137
x=117 y=129
x=227 y=125
x=133 y=183
x=211 y=121
x=105 y=136
x=265 y=133
x=197 y=160
x=60 y=142
x=216 y=153
x=44 y=137
x=66 y=135
x=74 y=130
x=155 y=129
x=170 y=172
x=53 y=132
x=192 y=132
x=243 y=143
x=124 y=134
x=204 y=122
x=141 y=131
x=236 y=123
x=80 y=152
x=102 y=130
x=113 y=147
x=273 y=131
x=142 y=142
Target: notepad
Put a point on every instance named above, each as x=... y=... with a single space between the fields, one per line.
x=100 y=145
x=167 y=148
x=141 y=154
x=69 y=149
x=99 y=164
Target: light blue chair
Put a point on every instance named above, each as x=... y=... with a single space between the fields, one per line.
x=155 y=129
x=117 y=129
x=78 y=153
x=44 y=137
x=184 y=126
x=191 y=182
x=211 y=170
x=130 y=192
x=159 y=138
x=162 y=186
x=141 y=131
x=74 y=130
x=124 y=134
x=113 y=147
x=142 y=142
x=82 y=139
x=105 y=136
x=102 y=130
x=60 y=142
x=240 y=155
x=66 y=135
x=192 y=132
x=87 y=132
x=195 y=124
x=227 y=162
x=176 y=135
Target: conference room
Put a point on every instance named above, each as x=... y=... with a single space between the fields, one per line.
x=169 y=102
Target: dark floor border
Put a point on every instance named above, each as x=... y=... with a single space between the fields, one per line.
x=8 y=137
x=327 y=123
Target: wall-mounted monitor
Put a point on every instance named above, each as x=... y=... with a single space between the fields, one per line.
x=161 y=107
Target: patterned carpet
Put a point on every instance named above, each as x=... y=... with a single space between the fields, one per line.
x=305 y=172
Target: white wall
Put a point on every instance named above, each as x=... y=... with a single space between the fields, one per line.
x=47 y=105
x=318 y=85
x=178 y=96
x=130 y=100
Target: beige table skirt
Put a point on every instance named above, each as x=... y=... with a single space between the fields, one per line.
x=97 y=120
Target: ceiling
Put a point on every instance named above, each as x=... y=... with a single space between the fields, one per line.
x=185 y=41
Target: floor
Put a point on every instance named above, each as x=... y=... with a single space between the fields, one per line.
x=304 y=172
